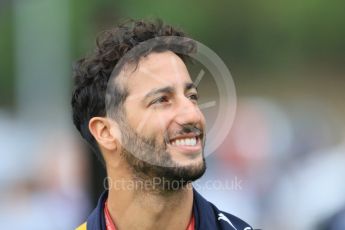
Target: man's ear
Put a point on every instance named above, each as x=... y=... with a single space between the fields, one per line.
x=105 y=132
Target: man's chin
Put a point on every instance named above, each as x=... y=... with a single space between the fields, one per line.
x=187 y=172
x=179 y=177
x=172 y=176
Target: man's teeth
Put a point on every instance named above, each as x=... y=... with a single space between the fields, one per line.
x=184 y=141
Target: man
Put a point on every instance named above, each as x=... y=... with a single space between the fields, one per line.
x=138 y=110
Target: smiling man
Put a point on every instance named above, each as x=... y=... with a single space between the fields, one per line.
x=138 y=109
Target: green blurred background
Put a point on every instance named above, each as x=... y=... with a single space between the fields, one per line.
x=271 y=46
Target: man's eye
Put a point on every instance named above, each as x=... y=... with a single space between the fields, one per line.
x=160 y=100
x=194 y=97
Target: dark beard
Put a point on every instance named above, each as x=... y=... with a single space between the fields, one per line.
x=151 y=163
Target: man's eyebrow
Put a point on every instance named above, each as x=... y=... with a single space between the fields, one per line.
x=153 y=92
x=190 y=85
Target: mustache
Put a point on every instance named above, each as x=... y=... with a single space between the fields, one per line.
x=190 y=128
x=185 y=129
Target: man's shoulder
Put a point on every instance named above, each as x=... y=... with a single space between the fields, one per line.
x=209 y=215
x=82 y=227
x=232 y=220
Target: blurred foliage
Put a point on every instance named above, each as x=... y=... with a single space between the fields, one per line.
x=269 y=35
x=6 y=57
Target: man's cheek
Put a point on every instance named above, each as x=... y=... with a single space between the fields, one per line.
x=143 y=123
x=162 y=128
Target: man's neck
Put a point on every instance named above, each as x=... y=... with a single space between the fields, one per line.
x=133 y=208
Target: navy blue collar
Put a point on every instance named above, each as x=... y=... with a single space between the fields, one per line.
x=96 y=220
x=206 y=215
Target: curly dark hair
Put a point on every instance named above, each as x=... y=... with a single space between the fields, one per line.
x=91 y=74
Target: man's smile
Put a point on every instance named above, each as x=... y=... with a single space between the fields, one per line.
x=187 y=144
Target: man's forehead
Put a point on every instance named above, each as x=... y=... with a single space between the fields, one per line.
x=157 y=70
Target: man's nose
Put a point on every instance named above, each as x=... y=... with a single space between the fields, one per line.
x=187 y=112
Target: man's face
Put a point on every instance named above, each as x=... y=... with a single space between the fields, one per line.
x=162 y=127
